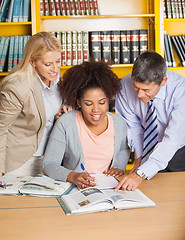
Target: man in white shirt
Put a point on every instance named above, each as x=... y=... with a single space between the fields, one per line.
x=148 y=81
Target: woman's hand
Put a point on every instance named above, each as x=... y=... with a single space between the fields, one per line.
x=82 y=180
x=115 y=172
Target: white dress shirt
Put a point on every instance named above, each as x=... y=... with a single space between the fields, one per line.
x=52 y=102
x=170 y=108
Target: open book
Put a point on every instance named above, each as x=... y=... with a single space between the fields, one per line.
x=94 y=200
x=39 y=185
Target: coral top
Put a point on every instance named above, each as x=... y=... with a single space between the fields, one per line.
x=98 y=150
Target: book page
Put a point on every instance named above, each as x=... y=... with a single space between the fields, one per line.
x=105 y=182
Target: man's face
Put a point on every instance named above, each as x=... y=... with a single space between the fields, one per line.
x=147 y=91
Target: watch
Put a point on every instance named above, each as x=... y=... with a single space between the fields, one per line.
x=139 y=173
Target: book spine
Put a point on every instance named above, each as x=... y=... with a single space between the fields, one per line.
x=174 y=41
x=20 y=49
x=181 y=47
x=67 y=7
x=62 y=8
x=180 y=9
x=63 y=43
x=105 y=37
x=46 y=8
x=86 y=5
x=57 y=7
x=77 y=8
x=74 y=48
x=91 y=7
x=134 y=45
x=166 y=45
x=115 y=39
x=143 y=41
x=26 y=10
x=164 y=9
x=85 y=45
x=183 y=8
x=171 y=51
x=68 y=49
x=180 y=37
x=95 y=45
x=125 y=46
x=16 y=10
x=21 y=14
x=169 y=10
x=10 y=56
x=15 y=53
x=4 y=10
x=41 y=8
x=173 y=7
x=4 y=53
x=79 y=47
x=52 y=8
x=72 y=7
x=82 y=7
x=176 y=8
x=58 y=36
x=10 y=12
x=96 y=11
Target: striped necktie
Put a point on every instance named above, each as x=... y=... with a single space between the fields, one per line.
x=150 y=131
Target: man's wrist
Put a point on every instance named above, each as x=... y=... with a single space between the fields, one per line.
x=140 y=173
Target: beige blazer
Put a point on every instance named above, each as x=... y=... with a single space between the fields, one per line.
x=22 y=122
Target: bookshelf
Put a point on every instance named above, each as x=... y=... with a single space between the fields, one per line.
x=113 y=15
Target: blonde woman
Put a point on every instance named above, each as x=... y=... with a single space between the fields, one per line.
x=29 y=101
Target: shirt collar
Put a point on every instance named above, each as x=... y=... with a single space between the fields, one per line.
x=162 y=93
x=52 y=84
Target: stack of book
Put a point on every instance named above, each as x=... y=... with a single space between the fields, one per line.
x=174 y=8
x=68 y=7
x=14 y=10
x=11 y=51
x=178 y=42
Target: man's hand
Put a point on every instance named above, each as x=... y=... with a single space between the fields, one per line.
x=129 y=182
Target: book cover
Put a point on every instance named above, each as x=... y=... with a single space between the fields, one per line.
x=67 y=7
x=15 y=53
x=178 y=50
x=143 y=40
x=85 y=45
x=63 y=53
x=62 y=8
x=16 y=10
x=10 y=11
x=77 y=7
x=105 y=38
x=82 y=7
x=166 y=45
x=39 y=185
x=171 y=51
x=115 y=40
x=74 y=48
x=52 y=10
x=57 y=7
x=79 y=47
x=134 y=45
x=72 y=7
x=95 y=45
x=68 y=48
x=4 y=53
x=10 y=54
x=95 y=200
x=125 y=46
x=46 y=8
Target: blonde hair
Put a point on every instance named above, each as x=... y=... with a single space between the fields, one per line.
x=35 y=48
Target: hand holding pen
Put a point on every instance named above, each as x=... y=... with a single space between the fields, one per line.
x=89 y=181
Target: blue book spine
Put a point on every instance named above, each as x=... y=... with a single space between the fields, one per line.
x=20 y=51
x=10 y=12
x=26 y=10
x=4 y=10
x=2 y=41
x=21 y=17
x=15 y=53
x=4 y=53
x=16 y=10
x=10 y=56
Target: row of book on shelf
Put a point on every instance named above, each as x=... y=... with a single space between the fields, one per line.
x=178 y=42
x=11 y=51
x=14 y=10
x=174 y=8
x=117 y=47
x=68 y=7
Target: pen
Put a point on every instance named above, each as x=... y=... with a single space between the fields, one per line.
x=83 y=169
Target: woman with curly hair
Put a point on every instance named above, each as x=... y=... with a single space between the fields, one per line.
x=90 y=134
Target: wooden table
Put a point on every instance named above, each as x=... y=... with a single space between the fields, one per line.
x=34 y=218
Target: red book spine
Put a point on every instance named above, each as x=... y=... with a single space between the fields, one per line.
x=82 y=8
x=95 y=7
x=62 y=8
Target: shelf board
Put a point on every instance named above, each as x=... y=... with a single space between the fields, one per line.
x=14 y=23
x=174 y=19
x=176 y=68
x=2 y=74
x=98 y=16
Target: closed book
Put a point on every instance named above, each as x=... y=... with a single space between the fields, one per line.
x=4 y=10
x=58 y=36
x=26 y=8
x=20 y=51
x=91 y=7
x=21 y=17
x=16 y=10
x=82 y=7
x=68 y=48
x=169 y=9
x=72 y=7
x=85 y=45
x=4 y=54
x=115 y=40
x=74 y=48
x=143 y=40
x=77 y=7
x=62 y=7
x=79 y=47
x=105 y=45
x=177 y=48
x=67 y=7
x=46 y=7
x=63 y=53
x=86 y=5
x=125 y=46
x=176 y=8
x=10 y=11
x=182 y=44
x=180 y=9
x=95 y=45
x=96 y=11
x=52 y=10
x=134 y=45
x=183 y=8
x=10 y=54
x=171 y=51
x=15 y=53
x=166 y=45
x=164 y=9
x=57 y=7
x=2 y=41
x=173 y=7
x=41 y=8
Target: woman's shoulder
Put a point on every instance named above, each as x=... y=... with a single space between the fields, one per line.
x=118 y=120
x=67 y=117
